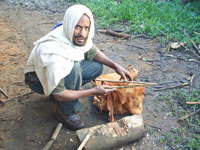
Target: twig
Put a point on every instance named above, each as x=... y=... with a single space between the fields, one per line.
x=188 y=115
x=121 y=81
x=84 y=142
x=197 y=49
x=113 y=33
x=136 y=46
x=4 y=93
x=13 y=98
x=196 y=33
x=191 y=103
x=161 y=31
x=112 y=41
x=153 y=40
x=195 y=46
x=192 y=79
x=125 y=86
x=157 y=128
x=2 y=101
x=54 y=136
x=176 y=86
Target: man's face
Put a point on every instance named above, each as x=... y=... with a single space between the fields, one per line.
x=81 y=31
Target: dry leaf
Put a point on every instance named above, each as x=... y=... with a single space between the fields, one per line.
x=177 y=45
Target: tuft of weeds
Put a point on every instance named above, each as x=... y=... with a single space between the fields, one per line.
x=187 y=137
x=181 y=140
x=168 y=20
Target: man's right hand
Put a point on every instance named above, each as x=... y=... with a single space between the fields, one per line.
x=71 y=95
x=102 y=90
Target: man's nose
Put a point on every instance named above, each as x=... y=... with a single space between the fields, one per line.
x=83 y=32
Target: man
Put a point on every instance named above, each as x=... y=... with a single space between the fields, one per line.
x=64 y=60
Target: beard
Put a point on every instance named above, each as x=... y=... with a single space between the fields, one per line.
x=79 y=40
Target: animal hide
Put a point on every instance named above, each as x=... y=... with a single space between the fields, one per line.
x=124 y=100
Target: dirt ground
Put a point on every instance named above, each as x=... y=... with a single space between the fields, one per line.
x=26 y=121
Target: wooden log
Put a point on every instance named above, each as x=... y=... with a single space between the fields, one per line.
x=113 y=134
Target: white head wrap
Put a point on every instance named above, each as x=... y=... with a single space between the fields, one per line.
x=53 y=56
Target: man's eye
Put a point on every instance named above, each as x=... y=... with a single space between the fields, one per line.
x=78 y=27
x=87 y=28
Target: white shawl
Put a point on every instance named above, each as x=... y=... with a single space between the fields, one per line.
x=53 y=56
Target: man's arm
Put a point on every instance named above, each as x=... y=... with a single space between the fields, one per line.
x=70 y=95
x=101 y=58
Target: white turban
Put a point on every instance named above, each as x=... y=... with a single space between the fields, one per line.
x=53 y=56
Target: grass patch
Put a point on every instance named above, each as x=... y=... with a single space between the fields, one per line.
x=187 y=137
x=167 y=20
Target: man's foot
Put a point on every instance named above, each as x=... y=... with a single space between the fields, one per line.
x=72 y=122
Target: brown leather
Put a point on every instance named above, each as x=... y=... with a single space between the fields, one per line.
x=72 y=122
x=126 y=100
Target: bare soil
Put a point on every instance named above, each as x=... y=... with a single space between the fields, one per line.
x=26 y=120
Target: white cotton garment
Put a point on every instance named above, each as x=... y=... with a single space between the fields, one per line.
x=53 y=56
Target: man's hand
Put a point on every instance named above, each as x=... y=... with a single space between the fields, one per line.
x=71 y=95
x=123 y=73
x=101 y=90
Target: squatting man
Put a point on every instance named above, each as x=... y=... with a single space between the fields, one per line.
x=64 y=60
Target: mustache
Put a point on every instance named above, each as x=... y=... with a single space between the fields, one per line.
x=79 y=36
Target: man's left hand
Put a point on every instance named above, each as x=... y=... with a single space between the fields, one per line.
x=125 y=74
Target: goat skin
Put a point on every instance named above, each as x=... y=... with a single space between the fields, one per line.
x=125 y=100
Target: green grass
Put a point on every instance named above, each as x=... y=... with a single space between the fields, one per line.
x=186 y=137
x=166 y=20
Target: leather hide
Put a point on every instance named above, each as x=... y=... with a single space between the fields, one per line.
x=125 y=100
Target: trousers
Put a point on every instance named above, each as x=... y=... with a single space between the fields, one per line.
x=82 y=73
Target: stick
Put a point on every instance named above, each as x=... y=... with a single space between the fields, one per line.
x=196 y=48
x=54 y=136
x=157 y=128
x=188 y=115
x=125 y=86
x=191 y=103
x=120 y=81
x=4 y=93
x=87 y=137
x=113 y=33
x=113 y=41
x=13 y=98
x=176 y=86
x=1 y=101
x=197 y=33
x=192 y=79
